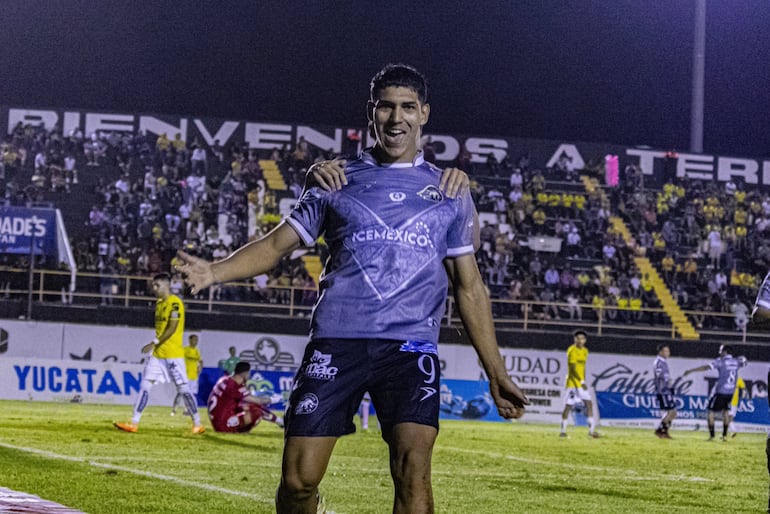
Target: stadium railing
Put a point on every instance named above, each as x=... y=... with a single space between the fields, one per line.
x=96 y=289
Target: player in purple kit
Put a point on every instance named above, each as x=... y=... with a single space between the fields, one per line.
x=727 y=368
x=664 y=390
x=395 y=237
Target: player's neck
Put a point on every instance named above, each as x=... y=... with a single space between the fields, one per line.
x=382 y=156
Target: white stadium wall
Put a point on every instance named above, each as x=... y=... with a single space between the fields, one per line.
x=66 y=362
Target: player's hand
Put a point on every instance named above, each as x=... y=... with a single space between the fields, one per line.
x=329 y=175
x=510 y=400
x=197 y=273
x=454 y=182
x=148 y=347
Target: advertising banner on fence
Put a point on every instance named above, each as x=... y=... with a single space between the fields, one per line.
x=621 y=385
x=626 y=394
x=24 y=230
x=76 y=381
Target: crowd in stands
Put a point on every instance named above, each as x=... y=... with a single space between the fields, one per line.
x=156 y=194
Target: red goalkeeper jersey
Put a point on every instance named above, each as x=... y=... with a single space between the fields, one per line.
x=225 y=399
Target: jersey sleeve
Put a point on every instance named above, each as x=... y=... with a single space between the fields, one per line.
x=307 y=217
x=460 y=235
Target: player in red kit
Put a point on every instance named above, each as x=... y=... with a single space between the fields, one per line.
x=232 y=408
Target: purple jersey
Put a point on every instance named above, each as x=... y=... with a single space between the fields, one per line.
x=388 y=232
x=662 y=375
x=727 y=367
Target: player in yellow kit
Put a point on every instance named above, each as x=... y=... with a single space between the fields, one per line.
x=740 y=392
x=166 y=364
x=194 y=366
x=577 y=390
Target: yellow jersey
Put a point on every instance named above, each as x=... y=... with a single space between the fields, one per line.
x=165 y=311
x=576 y=366
x=739 y=386
x=192 y=356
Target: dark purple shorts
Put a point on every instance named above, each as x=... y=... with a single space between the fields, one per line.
x=402 y=378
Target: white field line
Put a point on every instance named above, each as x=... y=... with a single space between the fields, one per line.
x=628 y=474
x=149 y=474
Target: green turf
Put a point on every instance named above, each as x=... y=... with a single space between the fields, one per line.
x=71 y=454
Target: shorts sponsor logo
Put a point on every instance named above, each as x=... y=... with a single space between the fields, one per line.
x=307 y=404
x=320 y=367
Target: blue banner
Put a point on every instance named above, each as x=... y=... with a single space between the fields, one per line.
x=642 y=406
x=23 y=229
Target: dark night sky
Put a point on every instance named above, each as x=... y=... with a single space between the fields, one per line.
x=584 y=70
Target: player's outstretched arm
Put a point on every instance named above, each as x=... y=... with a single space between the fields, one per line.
x=476 y=314
x=705 y=367
x=252 y=259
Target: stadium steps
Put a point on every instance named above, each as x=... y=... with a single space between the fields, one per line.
x=682 y=325
x=313 y=265
x=273 y=176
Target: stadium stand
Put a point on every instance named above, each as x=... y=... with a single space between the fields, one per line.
x=131 y=200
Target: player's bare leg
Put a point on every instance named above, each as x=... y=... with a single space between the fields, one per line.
x=665 y=424
x=590 y=417
x=564 y=418
x=711 y=424
x=411 y=449
x=726 y=420
x=305 y=460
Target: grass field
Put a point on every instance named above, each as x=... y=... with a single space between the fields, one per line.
x=71 y=454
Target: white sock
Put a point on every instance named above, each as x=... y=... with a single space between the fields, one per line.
x=591 y=425
x=563 y=425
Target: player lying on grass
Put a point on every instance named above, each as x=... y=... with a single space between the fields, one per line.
x=232 y=407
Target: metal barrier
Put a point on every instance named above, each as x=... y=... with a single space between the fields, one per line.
x=242 y=297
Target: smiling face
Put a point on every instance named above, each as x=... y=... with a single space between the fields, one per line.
x=397 y=117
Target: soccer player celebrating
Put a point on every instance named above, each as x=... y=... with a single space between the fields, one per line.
x=663 y=388
x=727 y=368
x=395 y=237
x=166 y=364
x=232 y=408
x=577 y=390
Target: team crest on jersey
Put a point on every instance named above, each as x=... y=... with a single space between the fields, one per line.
x=431 y=193
x=307 y=404
x=397 y=196
x=320 y=367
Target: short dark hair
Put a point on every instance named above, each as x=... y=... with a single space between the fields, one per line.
x=726 y=348
x=661 y=346
x=580 y=331
x=399 y=75
x=241 y=367
x=161 y=276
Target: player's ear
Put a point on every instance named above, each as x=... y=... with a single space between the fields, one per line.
x=370 y=110
x=425 y=112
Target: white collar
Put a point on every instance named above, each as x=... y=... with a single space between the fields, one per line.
x=367 y=156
